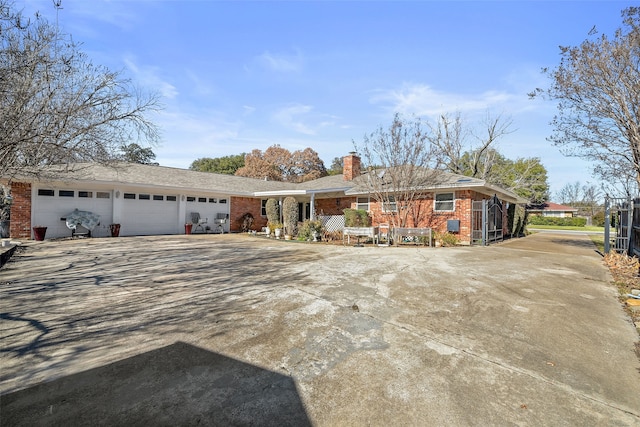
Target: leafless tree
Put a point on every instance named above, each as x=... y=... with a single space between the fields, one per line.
x=597 y=86
x=570 y=194
x=56 y=106
x=405 y=164
x=450 y=136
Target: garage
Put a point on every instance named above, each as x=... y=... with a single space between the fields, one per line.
x=149 y=214
x=52 y=204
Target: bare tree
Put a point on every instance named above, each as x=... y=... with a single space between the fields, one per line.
x=465 y=152
x=450 y=137
x=597 y=86
x=57 y=107
x=406 y=164
x=570 y=194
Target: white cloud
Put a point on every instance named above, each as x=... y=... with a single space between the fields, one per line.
x=289 y=118
x=150 y=77
x=423 y=100
x=281 y=62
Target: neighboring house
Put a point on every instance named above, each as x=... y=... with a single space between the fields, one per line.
x=148 y=200
x=552 y=209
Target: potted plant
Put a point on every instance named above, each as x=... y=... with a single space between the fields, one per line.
x=277 y=228
x=39 y=231
x=290 y=216
x=115 y=230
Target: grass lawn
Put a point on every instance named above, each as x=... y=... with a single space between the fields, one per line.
x=565 y=227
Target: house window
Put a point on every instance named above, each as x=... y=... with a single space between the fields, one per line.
x=66 y=193
x=144 y=197
x=362 y=203
x=444 y=202
x=130 y=196
x=390 y=205
x=103 y=195
x=191 y=199
x=202 y=200
x=158 y=197
x=43 y=192
x=263 y=207
x=171 y=198
x=223 y=200
x=87 y=194
x=213 y=200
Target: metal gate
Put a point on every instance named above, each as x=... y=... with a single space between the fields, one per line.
x=624 y=213
x=486 y=221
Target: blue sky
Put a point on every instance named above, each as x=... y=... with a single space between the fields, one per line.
x=238 y=75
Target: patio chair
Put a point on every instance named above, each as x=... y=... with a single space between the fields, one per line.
x=198 y=221
x=221 y=218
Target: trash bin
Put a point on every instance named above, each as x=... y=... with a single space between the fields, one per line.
x=187 y=228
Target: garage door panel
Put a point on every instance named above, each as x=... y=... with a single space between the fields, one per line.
x=147 y=217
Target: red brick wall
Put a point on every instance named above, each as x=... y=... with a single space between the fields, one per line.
x=241 y=206
x=437 y=221
x=333 y=206
x=20 y=227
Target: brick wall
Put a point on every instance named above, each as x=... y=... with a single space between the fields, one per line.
x=241 y=206
x=20 y=227
x=333 y=206
x=427 y=218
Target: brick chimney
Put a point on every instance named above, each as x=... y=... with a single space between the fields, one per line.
x=350 y=166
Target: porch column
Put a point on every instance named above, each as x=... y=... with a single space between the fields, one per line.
x=312 y=208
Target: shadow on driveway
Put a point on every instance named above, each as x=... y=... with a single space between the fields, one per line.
x=179 y=384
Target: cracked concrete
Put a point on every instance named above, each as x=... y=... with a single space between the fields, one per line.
x=235 y=329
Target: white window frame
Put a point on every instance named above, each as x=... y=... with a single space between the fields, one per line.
x=437 y=203
x=391 y=205
x=363 y=205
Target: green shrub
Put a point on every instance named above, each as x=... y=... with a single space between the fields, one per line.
x=598 y=219
x=309 y=229
x=551 y=220
x=290 y=215
x=447 y=239
x=273 y=211
x=517 y=218
x=356 y=218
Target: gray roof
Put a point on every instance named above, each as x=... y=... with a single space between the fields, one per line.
x=440 y=180
x=170 y=178
x=185 y=179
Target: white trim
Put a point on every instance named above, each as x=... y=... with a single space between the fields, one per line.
x=453 y=201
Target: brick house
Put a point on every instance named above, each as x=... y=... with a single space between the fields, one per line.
x=148 y=200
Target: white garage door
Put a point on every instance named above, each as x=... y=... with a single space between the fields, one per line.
x=209 y=208
x=50 y=205
x=148 y=214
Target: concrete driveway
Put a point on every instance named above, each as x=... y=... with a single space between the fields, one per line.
x=241 y=330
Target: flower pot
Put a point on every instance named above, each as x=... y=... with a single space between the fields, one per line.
x=187 y=228
x=278 y=232
x=115 y=230
x=39 y=233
